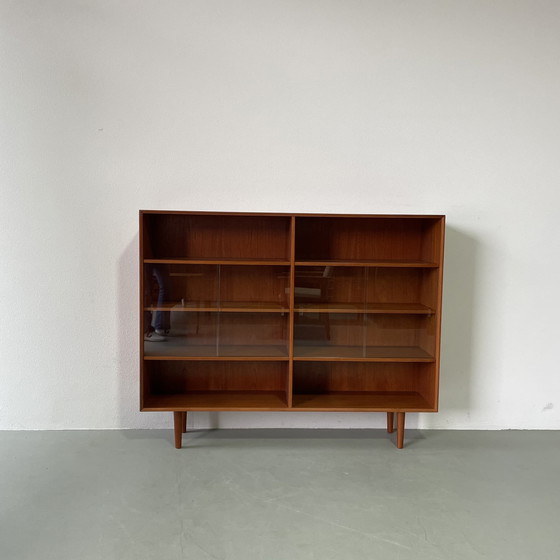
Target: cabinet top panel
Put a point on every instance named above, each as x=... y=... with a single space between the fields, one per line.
x=297 y=215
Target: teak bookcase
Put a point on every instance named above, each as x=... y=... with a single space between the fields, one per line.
x=284 y=312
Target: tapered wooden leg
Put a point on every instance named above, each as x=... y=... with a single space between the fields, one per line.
x=400 y=430
x=390 y=422
x=184 y=422
x=178 y=426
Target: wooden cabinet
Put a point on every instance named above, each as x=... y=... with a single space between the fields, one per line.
x=282 y=312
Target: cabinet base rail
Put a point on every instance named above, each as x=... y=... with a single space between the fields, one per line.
x=180 y=427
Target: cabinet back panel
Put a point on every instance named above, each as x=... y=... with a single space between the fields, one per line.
x=326 y=377
x=393 y=285
x=169 y=377
x=255 y=284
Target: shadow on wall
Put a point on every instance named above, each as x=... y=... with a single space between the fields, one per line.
x=128 y=370
x=129 y=415
x=456 y=346
x=458 y=320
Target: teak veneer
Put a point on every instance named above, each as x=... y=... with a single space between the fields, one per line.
x=290 y=312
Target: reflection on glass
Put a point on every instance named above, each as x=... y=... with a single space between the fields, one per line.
x=214 y=287
x=373 y=289
x=318 y=287
x=223 y=334
x=363 y=335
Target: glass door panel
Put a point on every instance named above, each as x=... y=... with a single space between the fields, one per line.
x=328 y=335
x=334 y=288
x=361 y=335
x=180 y=287
x=406 y=336
x=190 y=334
x=253 y=334
x=222 y=334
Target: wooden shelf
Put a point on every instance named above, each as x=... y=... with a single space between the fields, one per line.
x=284 y=262
x=218 y=400
x=172 y=350
x=364 y=401
x=272 y=307
x=224 y=306
x=361 y=354
x=220 y=261
x=261 y=400
x=368 y=263
x=381 y=308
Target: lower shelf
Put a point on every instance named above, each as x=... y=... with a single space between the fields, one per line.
x=361 y=353
x=218 y=400
x=177 y=348
x=270 y=401
x=363 y=401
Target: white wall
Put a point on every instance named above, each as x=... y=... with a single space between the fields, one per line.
x=291 y=106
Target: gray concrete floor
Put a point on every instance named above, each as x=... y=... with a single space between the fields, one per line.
x=279 y=495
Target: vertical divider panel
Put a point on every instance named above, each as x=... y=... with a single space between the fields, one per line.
x=365 y=280
x=219 y=312
x=291 y=287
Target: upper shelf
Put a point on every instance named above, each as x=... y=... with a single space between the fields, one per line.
x=220 y=260
x=329 y=353
x=274 y=307
x=381 y=308
x=284 y=262
x=227 y=306
x=369 y=263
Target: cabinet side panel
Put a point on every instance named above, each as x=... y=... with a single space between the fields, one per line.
x=141 y=254
x=441 y=242
x=427 y=383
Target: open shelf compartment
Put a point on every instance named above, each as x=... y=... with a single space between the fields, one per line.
x=364 y=386
x=390 y=239
x=215 y=385
x=179 y=235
